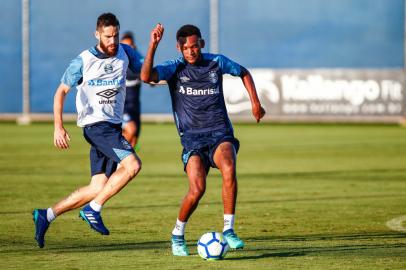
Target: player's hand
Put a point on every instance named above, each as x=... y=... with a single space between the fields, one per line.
x=61 y=138
x=157 y=34
x=258 y=112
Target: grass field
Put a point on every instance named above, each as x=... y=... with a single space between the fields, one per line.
x=310 y=197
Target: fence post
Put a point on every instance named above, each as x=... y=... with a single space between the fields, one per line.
x=24 y=119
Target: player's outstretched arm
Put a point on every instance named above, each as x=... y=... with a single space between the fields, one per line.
x=257 y=110
x=61 y=136
x=148 y=74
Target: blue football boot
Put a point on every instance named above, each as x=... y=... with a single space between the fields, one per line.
x=94 y=219
x=41 y=225
x=232 y=239
x=179 y=247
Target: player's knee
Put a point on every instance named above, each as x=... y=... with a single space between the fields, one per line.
x=228 y=170
x=197 y=191
x=134 y=168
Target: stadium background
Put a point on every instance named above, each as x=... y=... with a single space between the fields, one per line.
x=344 y=41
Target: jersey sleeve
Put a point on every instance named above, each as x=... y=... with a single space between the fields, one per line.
x=228 y=66
x=135 y=58
x=167 y=69
x=74 y=73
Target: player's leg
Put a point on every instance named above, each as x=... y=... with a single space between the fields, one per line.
x=132 y=123
x=225 y=159
x=196 y=173
x=81 y=196
x=129 y=132
x=127 y=170
x=43 y=217
x=112 y=149
x=137 y=132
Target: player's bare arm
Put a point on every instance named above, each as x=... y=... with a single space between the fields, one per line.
x=148 y=74
x=257 y=110
x=61 y=136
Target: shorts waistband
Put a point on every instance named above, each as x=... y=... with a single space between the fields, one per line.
x=100 y=123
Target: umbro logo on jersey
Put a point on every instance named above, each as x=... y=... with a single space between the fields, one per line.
x=184 y=79
x=108 y=68
x=109 y=93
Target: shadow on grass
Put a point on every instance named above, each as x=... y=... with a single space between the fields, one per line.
x=303 y=251
x=330 y=237
x=310 y=248
x=92 y=247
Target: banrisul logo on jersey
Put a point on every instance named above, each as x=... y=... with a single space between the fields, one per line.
x=108 y=68
x=106 y=82
x=109 y=93
x=198 y=92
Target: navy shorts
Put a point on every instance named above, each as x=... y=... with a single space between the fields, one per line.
x=205 y=145
x=132 y=113
x=108 y=147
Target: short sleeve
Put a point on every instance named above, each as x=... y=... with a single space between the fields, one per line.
x=228 y=66
x=135 y=58
x=74 y=73
x=167 y=69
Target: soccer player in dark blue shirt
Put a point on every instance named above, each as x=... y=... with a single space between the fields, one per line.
x=195 y=84
x=132 y=106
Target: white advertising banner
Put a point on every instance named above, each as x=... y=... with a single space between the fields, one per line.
x=321 y=92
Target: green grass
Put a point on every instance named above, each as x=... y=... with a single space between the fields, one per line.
x=310 y=197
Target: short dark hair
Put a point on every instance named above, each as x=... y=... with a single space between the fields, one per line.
x=188 y=30
x=129 y=35
x=107 y=19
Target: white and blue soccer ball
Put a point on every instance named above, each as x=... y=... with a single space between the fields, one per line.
x=212 y=246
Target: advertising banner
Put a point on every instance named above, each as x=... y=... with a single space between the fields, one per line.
x=321 y=93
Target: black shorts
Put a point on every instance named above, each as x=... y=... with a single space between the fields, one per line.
x=205 y=145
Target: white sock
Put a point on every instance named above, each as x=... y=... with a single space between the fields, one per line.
x=179 y=228
x=50 y=214
x=95 y=206
x=228 y=222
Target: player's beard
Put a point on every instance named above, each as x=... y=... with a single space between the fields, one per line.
x=109 y=50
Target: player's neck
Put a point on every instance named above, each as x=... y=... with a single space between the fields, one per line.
x=197 y=63
x=102 y=53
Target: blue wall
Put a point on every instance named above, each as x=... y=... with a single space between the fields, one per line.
x=10 y=55
x=257 y=33
x=313 y=33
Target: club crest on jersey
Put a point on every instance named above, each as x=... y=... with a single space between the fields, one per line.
x=213 y=76
x=108 y=68
x=184 y=79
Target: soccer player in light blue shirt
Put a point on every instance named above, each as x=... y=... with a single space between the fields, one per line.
x=99 y=75
x=196 y=89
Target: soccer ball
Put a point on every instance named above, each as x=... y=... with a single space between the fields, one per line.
x=212 y=246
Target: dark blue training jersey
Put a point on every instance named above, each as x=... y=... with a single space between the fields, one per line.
x=197 y=92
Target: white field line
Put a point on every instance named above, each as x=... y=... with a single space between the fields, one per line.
x=396 y=224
